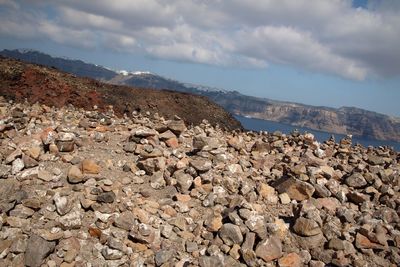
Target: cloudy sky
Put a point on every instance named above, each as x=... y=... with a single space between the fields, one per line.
x=320 y=52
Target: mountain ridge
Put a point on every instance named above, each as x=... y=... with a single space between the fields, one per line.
x=343 y=120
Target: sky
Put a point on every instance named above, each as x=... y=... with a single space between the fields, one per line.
x=318 y=52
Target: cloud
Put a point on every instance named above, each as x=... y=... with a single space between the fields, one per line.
x=329 y=37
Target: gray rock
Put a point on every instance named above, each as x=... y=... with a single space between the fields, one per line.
x=211 y=261
x=356 y=180
x=163 y=256
x=201 y=164
x=17 y=166
x=106 y=197
x=184 y=180
x=231 y=234
x=37 y=250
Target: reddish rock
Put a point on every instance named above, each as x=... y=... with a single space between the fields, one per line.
x=290 y=260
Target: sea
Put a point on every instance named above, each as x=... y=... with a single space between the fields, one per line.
x=271 y=126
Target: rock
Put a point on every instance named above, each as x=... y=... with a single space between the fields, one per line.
x=201 y=164
x=111 y=254
x=214 y=223
x=163 y=256
x=290 y=260
x=125 y=221
x=295 y=188
x=184 y=180
x=17 y=166
x=269 y=249
x=5 y=170
x=210 y=261
x=306 y=227
x=75 y=175
x=107 y=197
x=157 y=180
x=48 y=136
x=231 y=234
x=65 y=146
x=237 y=142
x=356 y=180
x=90 y=167
x=37 y=250
x=45 y=175
x=29 y=162
x=177 y=126
x=129 y=147
x=362 y=242
x=61 y=204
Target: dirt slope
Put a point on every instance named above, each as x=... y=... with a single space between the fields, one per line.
x=20 y=81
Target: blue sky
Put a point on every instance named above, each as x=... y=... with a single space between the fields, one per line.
x=331 y=53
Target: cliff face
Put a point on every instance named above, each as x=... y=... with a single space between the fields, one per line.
x=345 y=120
x=20 y=81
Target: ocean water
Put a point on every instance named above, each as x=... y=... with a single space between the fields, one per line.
x=271 y=126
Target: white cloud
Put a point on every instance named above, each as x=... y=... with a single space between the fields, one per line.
x=324 y=36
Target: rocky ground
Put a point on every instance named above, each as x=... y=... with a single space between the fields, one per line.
x=84 y=188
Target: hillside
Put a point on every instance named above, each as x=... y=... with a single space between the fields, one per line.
x=345 y=120
x=20 y=81
x=88 y=188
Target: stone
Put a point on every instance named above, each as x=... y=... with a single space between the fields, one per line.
x=111 y=254
x=90 y=167
x=363 y=242
x=163 y=256
x=65 y=146
x=29 y=162
x=71 y=220
x=214 y=223
x=106 y=197
x=5 y=170
x=295 y=188
x=74 y=175
x=306 y=227
x=290 y=260
x=129 y=147
x=157 y=180
x=356 y=180
x=125 y=221
x=201 y=164
x=177 y=126
x=37 y=250
x=45 y=175
x=210 y=261
x=184 y=180
x=48 y=136
x=269 y=249
x=17 y=166
x=284 y=198
x=61 y=204
x=231 y=234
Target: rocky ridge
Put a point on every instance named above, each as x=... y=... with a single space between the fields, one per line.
x=88 y=188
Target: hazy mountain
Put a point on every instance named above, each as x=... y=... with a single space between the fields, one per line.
x=345 y=120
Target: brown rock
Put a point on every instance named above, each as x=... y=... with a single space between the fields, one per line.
x=89 y=166
x=295 y=188
x=74 y=175
x=269 y=249
x=362 y=242
x=306 y=227
x=290 y=260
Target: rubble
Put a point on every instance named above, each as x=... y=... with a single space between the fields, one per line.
x=81 y=187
